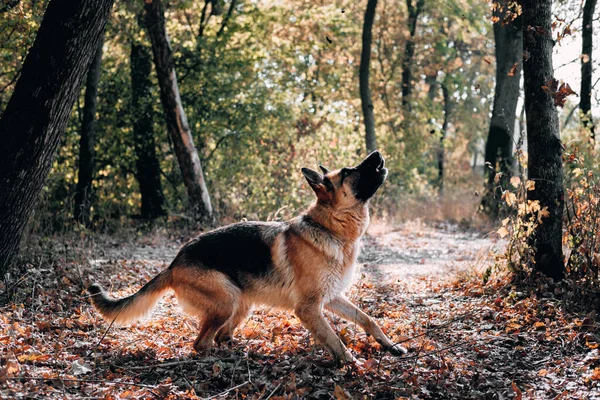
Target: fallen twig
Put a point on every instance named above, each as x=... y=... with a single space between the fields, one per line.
x=182 y=362
x=226 y=391
x=103 y=336
x=417 y=356
x=16 y=378
x=273 y=392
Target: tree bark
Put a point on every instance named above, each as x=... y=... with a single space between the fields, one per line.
x=587 y=46
x=508 y=36
x=83 y=191
x=176 y=120
x=441 y=150
x=365 y=91
x=147 y=165
x=543 y=137
x=39 y=109
x=414 y=10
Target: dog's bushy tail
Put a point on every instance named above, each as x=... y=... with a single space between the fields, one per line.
x=133 y=307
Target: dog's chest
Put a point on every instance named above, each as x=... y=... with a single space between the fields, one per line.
x=341 y=272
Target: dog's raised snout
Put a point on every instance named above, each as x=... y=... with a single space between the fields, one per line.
x=373 y=160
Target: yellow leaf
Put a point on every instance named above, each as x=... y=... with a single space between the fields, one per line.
x=515 y=181
x=543 y=372
x=530 y=185
x=509 y=197
x=502 y=232
x=497 y=177
x=585 y=58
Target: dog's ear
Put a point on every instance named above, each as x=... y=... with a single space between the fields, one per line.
x=325 y=170
x=313 y=177
x=315 y=180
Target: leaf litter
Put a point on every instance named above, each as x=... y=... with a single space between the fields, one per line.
x=423 y=284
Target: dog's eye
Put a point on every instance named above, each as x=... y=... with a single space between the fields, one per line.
x=345 y=172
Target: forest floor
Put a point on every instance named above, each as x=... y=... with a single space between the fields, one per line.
x=424 y=284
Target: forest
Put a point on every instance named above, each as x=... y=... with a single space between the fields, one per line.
x=425 y=174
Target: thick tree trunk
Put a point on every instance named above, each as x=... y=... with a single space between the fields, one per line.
x=177 y=123
x=365 y=91
x=543 y=137
x=409 y=50
x=587 y=46
x=39 y=109
x=83 y=192
x=498 y=150
x=147 y=166
x=441 y=151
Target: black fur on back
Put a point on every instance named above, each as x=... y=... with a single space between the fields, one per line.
x=242 y=251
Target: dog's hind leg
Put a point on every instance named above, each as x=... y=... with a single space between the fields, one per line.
x=345 y=309
x=211 y=324
x=225 y=333
x=211 y=296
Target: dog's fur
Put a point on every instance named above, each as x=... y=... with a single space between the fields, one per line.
x=303 y=265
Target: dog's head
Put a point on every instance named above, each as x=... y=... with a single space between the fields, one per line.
x=347 y=187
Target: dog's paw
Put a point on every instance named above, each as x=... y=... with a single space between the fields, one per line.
x=397 y=350
x=347 y=359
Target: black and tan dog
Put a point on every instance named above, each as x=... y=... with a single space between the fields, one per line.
x=303 y=265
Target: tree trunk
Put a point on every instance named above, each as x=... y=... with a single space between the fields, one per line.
x=587 y=46
x=147 y=166
x=441 y=151
x=508 y=36
x=409 y=50
x=83 y=192
x=176 y=120
x=365 y=62
x=543 y=137
x=39 y=109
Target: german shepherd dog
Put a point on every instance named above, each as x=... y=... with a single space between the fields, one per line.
x=303 y=265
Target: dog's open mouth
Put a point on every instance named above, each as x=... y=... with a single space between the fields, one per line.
x=381 y=165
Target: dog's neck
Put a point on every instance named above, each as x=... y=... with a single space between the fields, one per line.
x=347 y=225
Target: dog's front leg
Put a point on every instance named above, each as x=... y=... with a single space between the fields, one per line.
x=311 y=316
x=345 y=309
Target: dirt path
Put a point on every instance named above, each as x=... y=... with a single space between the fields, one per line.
x=414 y=250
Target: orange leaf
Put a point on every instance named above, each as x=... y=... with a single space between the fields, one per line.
x=518 y=393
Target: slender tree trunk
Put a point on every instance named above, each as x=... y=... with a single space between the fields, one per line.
x=543 y=137
x=39 y=109
x=414 y=10
x=177 y=123
x=498 y=150
x=147 y=166
x=585 y=103
x=441 y=150
x=365 y=62
x=83 y=192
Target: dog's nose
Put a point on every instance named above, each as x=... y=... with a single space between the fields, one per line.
x=373 y=160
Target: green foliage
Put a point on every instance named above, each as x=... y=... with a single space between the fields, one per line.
x=274 y=87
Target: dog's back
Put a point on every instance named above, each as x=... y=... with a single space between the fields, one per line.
x=242 y=251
